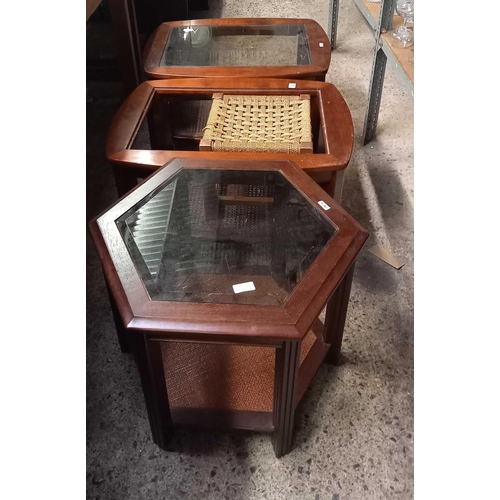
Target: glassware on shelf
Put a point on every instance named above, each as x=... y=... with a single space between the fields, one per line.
x=405 y=9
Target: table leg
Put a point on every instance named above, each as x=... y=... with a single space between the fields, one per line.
x=338 y=186
x=336 y=311
x=149 y=362
x=120 y=327
x=285 y=385
x=329 y=186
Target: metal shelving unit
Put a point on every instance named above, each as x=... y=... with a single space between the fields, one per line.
x=333 y=19
x=380 y=16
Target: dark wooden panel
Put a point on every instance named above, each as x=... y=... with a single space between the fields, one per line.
x=336 y=313
x=285 y=385
x=222 y=419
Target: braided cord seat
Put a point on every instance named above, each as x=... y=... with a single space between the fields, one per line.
x=260 y=124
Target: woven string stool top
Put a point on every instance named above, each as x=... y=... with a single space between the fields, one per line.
x=259 y=124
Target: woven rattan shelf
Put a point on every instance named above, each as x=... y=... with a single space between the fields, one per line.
x=227 y=377
x=259 y=124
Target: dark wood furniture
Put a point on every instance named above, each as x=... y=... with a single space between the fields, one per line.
x=128 y=46
x=238 y=47
x=164 y=119
x=91 y=7
x=174 y=252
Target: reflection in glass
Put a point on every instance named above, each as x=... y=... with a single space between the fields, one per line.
x=204 y=231
x=278 y=45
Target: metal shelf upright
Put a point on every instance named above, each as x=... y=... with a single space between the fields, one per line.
x=333 y=19
x=381 y=18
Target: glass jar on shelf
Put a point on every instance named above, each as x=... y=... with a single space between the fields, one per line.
x=404 y=34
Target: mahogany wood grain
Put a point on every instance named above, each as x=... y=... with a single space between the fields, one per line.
x=320 y=54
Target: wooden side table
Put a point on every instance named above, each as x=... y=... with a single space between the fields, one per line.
x=163 y=119
x=217 y=272
x=238 y=47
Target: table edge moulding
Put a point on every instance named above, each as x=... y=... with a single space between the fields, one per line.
x=318 y=42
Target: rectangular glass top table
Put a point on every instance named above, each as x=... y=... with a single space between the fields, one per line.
x=163 y=119
x=297 y=48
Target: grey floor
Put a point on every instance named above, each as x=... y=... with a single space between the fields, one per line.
x=354 y=428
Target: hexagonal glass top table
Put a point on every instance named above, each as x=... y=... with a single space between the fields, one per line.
x=204 y=235
x=256 y=47
x=217 y=272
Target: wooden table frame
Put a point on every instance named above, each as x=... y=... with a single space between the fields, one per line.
x=142 y=324
x=319 y=45
x=325 y=168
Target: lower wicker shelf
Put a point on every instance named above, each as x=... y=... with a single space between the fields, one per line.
x=220 y=385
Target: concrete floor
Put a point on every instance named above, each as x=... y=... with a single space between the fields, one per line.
x=354 y=428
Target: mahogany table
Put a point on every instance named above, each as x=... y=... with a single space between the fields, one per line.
x=238 y=47
x=163 y=119
x=217 y=271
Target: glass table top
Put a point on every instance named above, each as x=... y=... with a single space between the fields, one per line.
x=224 y=236
x=278 y=45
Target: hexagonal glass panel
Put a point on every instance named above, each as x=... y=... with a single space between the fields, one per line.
x=224 y=236
x=271 y=45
